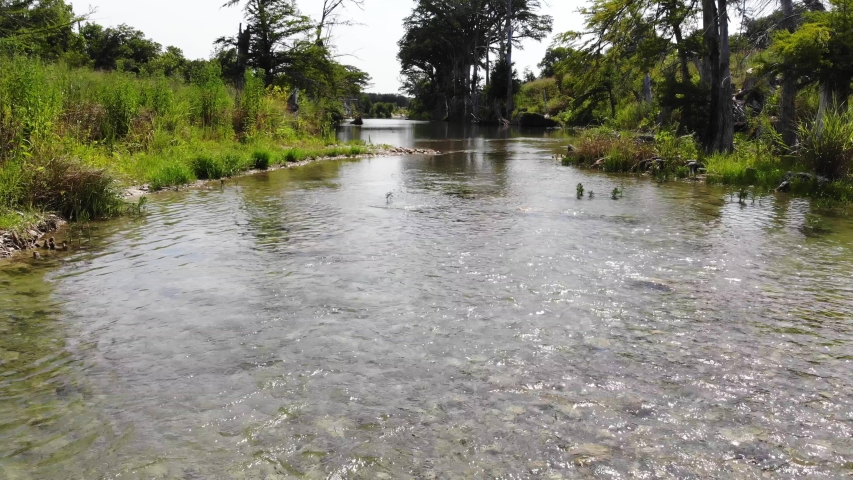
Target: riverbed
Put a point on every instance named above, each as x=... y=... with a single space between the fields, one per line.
x=460 y=315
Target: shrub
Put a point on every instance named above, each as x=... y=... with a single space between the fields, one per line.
x=620 y=153
x=261 y=159
x=69 y=188
x=675 y=150
x=206 y=167
x=593 y=145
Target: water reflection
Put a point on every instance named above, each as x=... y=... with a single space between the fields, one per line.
x=481 y=322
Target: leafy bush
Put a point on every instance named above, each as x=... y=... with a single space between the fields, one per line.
x=675 y=150
x=593 y=144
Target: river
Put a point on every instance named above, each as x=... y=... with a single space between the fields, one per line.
x=453 y=316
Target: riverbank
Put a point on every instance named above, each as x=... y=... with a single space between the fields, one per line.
x=26 y=231
x=72 y=139
x=755 y=167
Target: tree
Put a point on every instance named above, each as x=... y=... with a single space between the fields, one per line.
x=109 y=48
x=553 y=56
x=42 y=28
x=448 y=43
x=720 y=135
x=819 y=52
x=329 y=17
x=276 y=32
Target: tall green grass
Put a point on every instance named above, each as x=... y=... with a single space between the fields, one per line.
x=70 y=137
x=827 y=145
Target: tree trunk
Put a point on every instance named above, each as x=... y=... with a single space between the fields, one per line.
x=686 y=79
x=787 y=106
x=487 y=66
x=711 y=64
x=647 y=89
x=509 y=92
x=720 y=135
x=725 y=119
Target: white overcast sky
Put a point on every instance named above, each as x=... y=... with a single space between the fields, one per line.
x=371 y=44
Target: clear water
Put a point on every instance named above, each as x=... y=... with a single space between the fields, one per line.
x=480 y=322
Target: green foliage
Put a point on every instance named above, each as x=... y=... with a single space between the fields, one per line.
x=120 y=101
x=232 y=164
x=532 y=96
x=579 y=191
x=30 y=103
x=206 y=167
x=827 y=147
x=40 y=29
x=158 y=96
x=610 y=151
x=121 y=48
x=251 y=104
x=210 y=100
x=261 y=159
x=294 y=155
x=69 y=188
x=675 y=150
x=750 y=164
x=445 y=39
x=171 y=175
x=382 y=110
x=820 y=50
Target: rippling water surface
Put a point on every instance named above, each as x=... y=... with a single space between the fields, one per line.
x=481 y=322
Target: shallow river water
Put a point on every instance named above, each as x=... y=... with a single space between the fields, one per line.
x=479 y=322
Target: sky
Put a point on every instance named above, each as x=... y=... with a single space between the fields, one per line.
x=370 y=44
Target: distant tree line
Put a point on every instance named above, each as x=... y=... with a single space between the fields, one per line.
x=381 y=105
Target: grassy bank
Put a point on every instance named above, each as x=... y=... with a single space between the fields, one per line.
x=823 y=160
x=71 y=139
